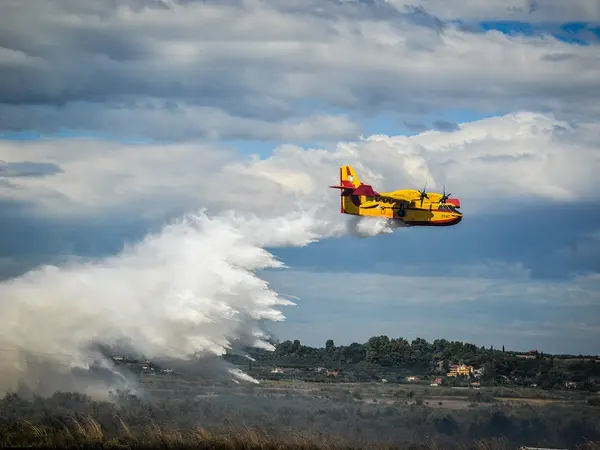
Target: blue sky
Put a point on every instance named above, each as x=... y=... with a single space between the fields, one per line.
x=518 y=271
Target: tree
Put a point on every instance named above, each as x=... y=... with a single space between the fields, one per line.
x=393 y=358
x=337 y=356
x=446 y=366
x=489 y=371
x=295 y=346
x=329 y=345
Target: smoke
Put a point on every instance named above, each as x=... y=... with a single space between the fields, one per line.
x=186 y=294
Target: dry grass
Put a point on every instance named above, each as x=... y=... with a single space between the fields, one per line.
x=87 y=432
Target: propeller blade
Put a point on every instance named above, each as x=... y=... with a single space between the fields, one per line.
x=445 y=196
x=423 y=194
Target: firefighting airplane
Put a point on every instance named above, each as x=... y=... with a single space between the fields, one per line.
x=414 y=208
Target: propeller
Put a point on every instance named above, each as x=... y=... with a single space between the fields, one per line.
x=424 y=194
x=445 y=196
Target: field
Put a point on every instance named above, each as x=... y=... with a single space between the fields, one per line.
x=274 y=414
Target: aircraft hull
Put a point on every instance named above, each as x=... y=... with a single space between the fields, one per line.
x=413 y=217
x=430 y=222
x=435 y=223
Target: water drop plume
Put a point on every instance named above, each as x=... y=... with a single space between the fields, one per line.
x=190 y=290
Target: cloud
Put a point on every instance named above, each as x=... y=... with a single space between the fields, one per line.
x=479 y=307
x=515 y=175
x=493 y=283
x=444 y=125
x=108 y=176
x=258 y=71
x=512 y=160
x=170 y=120
x=583 y=252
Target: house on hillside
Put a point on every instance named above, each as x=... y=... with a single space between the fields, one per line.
x=531 y=354
x=460 y=369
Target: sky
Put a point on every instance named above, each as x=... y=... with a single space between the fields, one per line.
x=119 y=117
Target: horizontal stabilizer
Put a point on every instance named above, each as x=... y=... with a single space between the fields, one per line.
x=344 y=184
x=363 y=189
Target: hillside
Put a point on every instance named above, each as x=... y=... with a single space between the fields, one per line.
x=398 y=360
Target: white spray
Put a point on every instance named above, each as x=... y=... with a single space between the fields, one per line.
x=189 y=290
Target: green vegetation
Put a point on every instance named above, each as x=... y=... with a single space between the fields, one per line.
x=395 y=359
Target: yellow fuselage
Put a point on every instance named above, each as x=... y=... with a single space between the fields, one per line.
x=431 y=213
x=407 y=205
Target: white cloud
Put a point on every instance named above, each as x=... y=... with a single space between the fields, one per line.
x=101 y=175
x=475 y=284
x=505 y=160
x=261 y=61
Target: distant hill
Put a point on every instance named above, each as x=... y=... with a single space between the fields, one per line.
x=396 y=358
